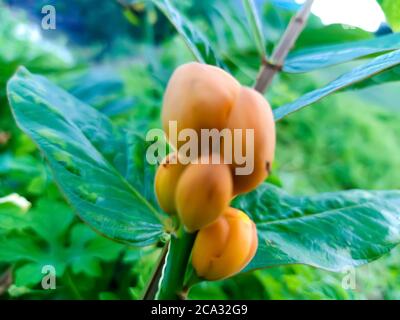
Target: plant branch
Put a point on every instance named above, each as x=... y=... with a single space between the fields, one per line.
x=270 y=68
x=152 y=286
x=177 y=259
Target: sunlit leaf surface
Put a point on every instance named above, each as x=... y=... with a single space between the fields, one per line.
x=314 y=58
x=354 y=77
x=101 y=171
x=331 y=231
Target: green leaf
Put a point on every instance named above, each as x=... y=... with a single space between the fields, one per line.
x=319 y=34
x=357 y=75
x=48 y=226
x=331 y=231
x=391 y=8
x=16 y=248
x=255 y=25
x=13 y=213
x=390 y=75
x=25 y=165
x=108 y=296
x=28 y=275
x=51 y=237
x=100 y=87
x=15 y=168
x=195 y=40
x=314 y=58
x=91 y=160
x=88 y=250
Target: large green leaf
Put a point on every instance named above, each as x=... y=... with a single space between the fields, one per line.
x=355 y=77
x=314 y=58
x=255 y=25
x=330 y=230
x=193 y=37
x=391 y=8
x=95 y=166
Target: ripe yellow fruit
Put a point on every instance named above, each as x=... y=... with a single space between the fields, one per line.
x=198 y=96
x=226 y=246
x=252 y=111
x=166 y=180
x=203 y=193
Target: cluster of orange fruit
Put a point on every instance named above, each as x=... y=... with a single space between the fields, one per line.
x=198 y=97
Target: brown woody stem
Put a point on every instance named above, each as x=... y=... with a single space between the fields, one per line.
x=270 y=68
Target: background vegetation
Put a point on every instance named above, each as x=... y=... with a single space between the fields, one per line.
x=118 y=61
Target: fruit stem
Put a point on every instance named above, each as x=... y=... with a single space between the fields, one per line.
x=172 y=280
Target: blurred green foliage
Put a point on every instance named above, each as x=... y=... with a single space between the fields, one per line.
x=343 y=142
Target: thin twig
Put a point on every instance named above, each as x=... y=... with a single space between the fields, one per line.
x=270 y=68
x=152 y=286
x=6 y=280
